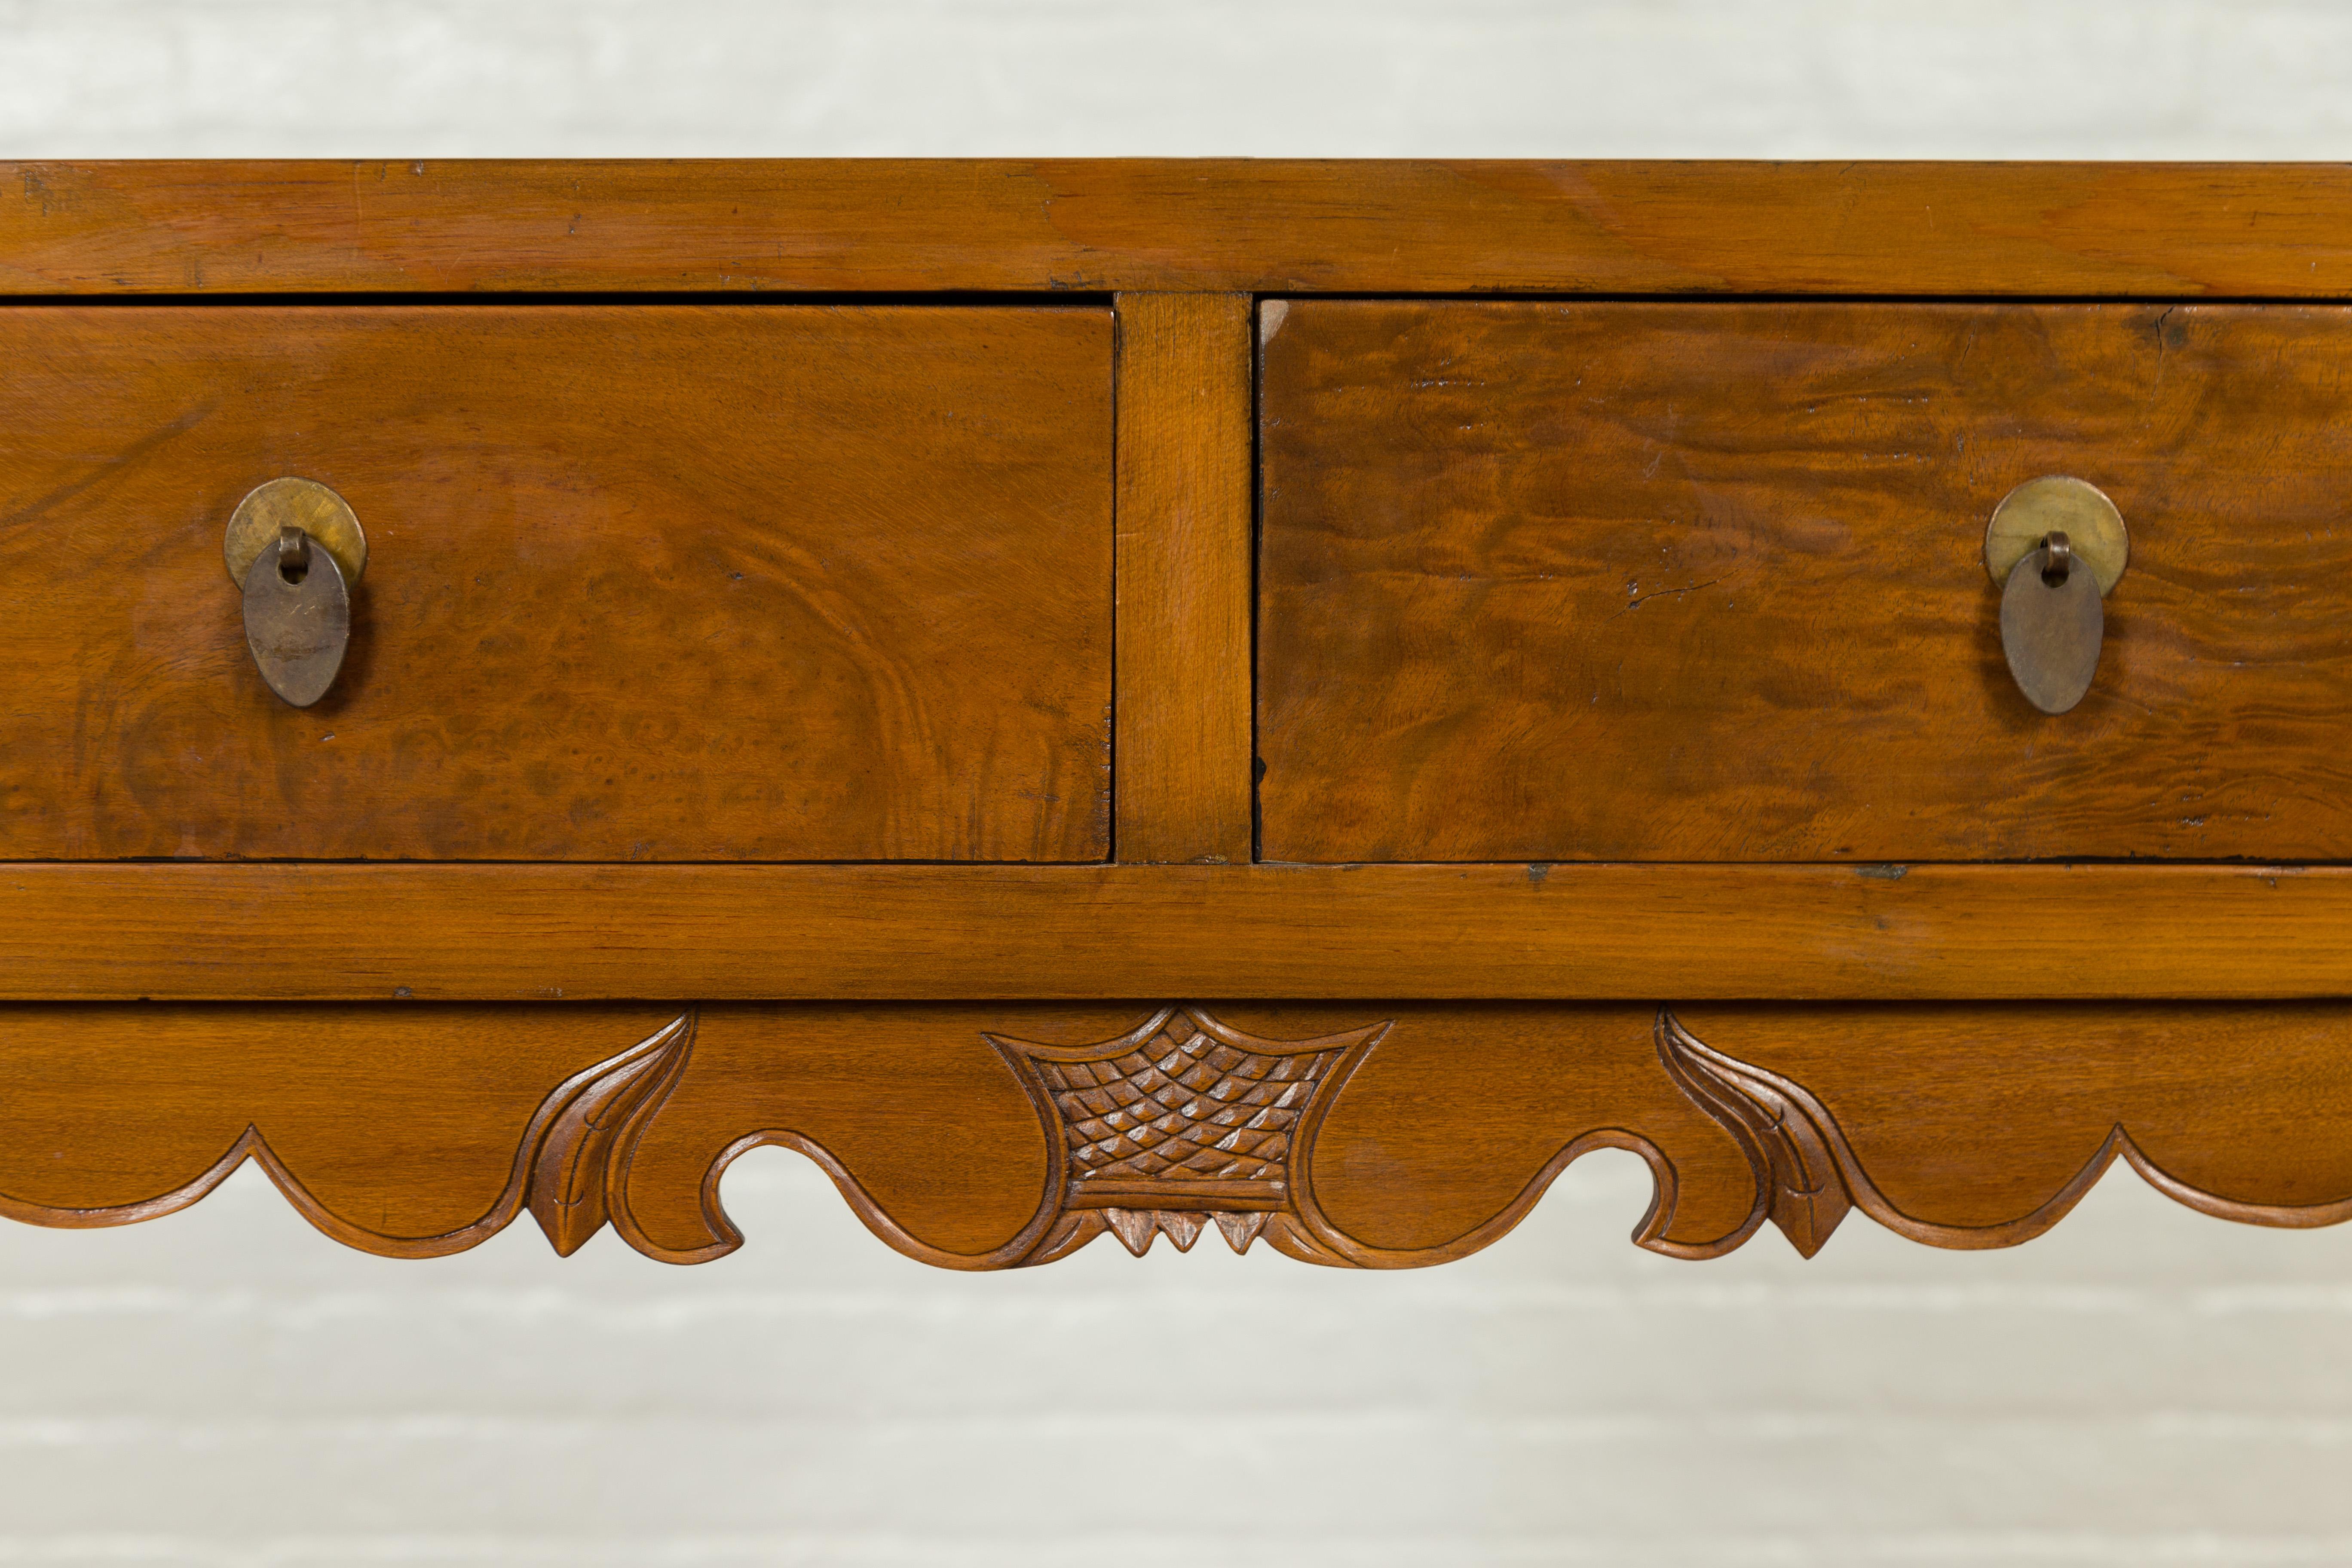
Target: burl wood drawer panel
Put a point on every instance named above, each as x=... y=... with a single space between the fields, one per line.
x=644 y=582
x=1703 y=581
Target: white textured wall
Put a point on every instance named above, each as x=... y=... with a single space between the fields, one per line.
x=2158 y=79
x=224 y=1387
x=2143 y=1386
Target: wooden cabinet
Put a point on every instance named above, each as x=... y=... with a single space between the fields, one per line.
x=1283 y=700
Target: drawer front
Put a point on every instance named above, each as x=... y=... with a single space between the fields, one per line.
x=1691 y=582
x=643 y=582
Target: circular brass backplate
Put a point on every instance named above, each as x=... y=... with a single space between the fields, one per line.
x=2056 y=504
x=306 y=504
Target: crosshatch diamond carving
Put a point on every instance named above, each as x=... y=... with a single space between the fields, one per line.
x=1183 y=1122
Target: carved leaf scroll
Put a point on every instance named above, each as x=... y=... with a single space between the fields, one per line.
x=1797 y=1179
x=1183 y=1123
x=575 y=1164
x=1809 y=1173
x=80 y=1074
x=963 y=1144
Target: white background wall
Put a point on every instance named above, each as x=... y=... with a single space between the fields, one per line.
x=1806 y=79
x=2143 y=1386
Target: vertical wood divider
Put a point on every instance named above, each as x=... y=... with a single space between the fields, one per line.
x=1182 y=755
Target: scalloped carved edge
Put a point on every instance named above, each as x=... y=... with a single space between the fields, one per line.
x=567 y=1138
x=1648 y=1233
x=1058 y=1228
x=1298 y=1228
x=1808 y=1175
x=572 y=1166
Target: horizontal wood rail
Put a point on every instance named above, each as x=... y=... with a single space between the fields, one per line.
x=1911 y=229
x=504 y=931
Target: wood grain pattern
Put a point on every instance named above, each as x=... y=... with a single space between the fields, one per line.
x=1980 y=1127
x=1703 y=581
x=658 y=584
x=97 y=932
x=1448 y=1135
x=983 y=1150
x=1224 y=224
x=1303 y=1127
x=968 y=1136
x=1407 y=1135
x=1184 y=589
x=981 y=1135
x=1607 y=583
x=931 y=1137
x=408 y=1132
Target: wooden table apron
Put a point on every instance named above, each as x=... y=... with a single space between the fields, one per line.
x=1141 y=697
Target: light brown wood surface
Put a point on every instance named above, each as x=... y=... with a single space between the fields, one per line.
x=1656 y=610
x=407 y=1131
x=1183 y=753
x=1456 y=1122
x=1648 y=582
x=2106 y=230
x=658 y=582
x=932 y=1136
x=994 y=1135
x=1981 y=1126
x=939 y=932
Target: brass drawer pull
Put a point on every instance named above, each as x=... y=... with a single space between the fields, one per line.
x=2057 y=547
x=295 y=548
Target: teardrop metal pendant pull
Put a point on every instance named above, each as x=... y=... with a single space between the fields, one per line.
x=296 y=549
x=2057 y=546
x=297 y=617
x=2052 y=621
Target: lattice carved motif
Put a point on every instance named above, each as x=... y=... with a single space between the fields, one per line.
x=1180 y=1123
x=1018 y=1152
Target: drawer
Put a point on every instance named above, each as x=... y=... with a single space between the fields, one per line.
x=1704 y=581
x=643 y=582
